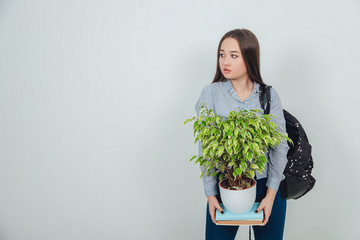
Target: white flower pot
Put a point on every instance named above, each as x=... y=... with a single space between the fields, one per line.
x=238 y=201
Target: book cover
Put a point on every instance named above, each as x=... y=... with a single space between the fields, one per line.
x=249 y=218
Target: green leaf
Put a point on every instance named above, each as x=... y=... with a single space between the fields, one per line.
x=220 y=151
x=226 y=127
x=205 y=151
x=237 y=132
x=197 y=138
x=239 y=171
x=250 y=174
x=199 y=159
x=254 y=166
x=252 y=131
x=218 y=120
x=266 y=117
x=206 y=131
x=242 y=132
x=248 y=134
x=195 y=124
x=213 y=143
x=229 y=150
x=243 y=166
x=237 y=148
x=212 y=151
x=261 y=165
x=251 y=146
x=263 y=158
x=193 y=157
x=202 y=162
x=246 y=149
x=221 y=176
x=188 y=120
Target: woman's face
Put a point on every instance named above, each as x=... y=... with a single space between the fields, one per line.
x=231 y=62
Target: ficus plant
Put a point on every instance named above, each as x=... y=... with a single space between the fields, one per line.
x=235 y=148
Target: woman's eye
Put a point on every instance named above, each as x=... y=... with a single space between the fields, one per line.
x=234 y=56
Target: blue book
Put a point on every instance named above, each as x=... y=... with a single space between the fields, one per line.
x=249 y=218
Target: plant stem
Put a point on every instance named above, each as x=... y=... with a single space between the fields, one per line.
x=230 y=180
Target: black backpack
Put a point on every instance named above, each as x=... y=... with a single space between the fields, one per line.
x=298 y=180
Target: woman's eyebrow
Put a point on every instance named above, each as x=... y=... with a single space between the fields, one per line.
x=229 y=51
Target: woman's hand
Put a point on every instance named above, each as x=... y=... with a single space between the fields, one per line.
x=213 y=205
x=266 y=204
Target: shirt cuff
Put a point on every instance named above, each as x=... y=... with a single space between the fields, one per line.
x=211 y=189
x=273 y=183
x=210 y=183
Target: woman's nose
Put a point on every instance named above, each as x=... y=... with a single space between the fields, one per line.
x=226 y=61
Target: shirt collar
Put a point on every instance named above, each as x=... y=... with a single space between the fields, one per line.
x=228 y=86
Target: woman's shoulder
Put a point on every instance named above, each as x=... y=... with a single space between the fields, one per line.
x=211 y=87
x=274 y=93
x=274 y=96
x=206 y=90
x=216 y=86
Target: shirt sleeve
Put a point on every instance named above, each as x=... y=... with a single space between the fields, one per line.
x=278 y=155
x=210 y=182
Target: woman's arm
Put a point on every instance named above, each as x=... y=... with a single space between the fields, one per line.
x=277 y=161
x=278 y=155
x=210 y=182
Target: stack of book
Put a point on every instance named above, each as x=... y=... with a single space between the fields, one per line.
x=231 y=219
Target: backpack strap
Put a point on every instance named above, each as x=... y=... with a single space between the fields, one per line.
x=265 y=98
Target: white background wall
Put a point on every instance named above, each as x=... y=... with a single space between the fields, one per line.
x=93 y=96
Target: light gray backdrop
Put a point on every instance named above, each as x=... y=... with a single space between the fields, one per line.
x=93 y=96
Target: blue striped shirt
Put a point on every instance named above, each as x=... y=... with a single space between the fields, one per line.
x=222 y=97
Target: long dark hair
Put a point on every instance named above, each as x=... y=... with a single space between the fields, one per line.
x=250 y=50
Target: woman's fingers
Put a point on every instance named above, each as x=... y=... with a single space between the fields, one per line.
x=267 y=215
x=219 y=208
x=261 y=206
x=213 y=205
x=212 y=214
x=266 y=205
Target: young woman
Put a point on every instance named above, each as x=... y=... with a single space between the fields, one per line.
x=236 y=84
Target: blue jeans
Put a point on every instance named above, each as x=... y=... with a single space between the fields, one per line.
x=273 y=230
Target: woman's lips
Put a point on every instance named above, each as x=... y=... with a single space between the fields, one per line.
x=227 y=70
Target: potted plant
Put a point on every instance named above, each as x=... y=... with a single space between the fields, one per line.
x=235 y=148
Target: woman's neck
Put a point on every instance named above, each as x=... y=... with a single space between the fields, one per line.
x=242 y=85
